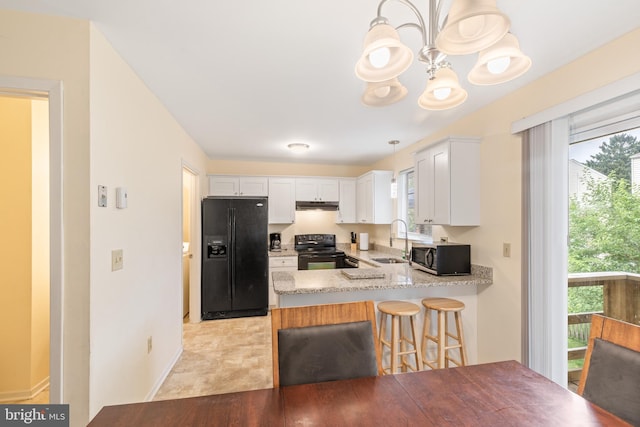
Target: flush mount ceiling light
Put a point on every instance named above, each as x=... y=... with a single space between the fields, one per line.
x=298 y=147
x=471 y=26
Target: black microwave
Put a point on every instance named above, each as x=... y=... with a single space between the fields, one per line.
x=442 y=259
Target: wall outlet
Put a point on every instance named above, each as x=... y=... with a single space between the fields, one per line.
x=117 y=259
x=506 y=250
x=149 y=344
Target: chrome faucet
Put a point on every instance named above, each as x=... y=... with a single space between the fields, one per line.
x=406 y=238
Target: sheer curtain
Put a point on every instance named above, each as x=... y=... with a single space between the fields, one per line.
x=547 y=134
x=545 y=210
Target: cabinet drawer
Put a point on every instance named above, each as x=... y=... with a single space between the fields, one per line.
x=284 y=261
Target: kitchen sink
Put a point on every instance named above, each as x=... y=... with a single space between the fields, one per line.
x=389 y=260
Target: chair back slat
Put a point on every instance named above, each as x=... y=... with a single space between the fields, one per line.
x=611 y=372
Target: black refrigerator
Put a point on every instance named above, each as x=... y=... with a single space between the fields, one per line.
x=235 y=280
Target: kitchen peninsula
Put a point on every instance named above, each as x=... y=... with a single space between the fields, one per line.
x=381 y=282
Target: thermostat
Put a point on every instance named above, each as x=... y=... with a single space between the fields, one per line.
x=121 y=197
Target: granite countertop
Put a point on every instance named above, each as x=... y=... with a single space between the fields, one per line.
x=369 y=277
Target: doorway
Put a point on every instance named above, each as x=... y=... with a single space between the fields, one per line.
x=25 y=260
x=189 y=242
x=51 y=92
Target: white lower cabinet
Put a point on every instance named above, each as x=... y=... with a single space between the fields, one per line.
x=279 y=263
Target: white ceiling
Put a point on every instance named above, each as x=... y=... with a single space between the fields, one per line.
x=246 y=78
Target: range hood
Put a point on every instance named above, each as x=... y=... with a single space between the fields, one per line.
x=316 y=206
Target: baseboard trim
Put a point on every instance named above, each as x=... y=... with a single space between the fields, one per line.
x=12 y=396
x=164 y=375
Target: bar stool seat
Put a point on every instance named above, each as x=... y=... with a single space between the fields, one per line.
x=397 y=343
x=442 y=307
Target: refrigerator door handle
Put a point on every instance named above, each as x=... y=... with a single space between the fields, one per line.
x=232 y=252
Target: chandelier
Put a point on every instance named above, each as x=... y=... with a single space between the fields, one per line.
x=472 y=26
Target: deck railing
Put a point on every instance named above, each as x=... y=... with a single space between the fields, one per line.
x=621 y=300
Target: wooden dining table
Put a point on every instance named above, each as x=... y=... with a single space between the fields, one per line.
x=494 y=394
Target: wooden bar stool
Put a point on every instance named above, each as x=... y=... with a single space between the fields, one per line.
x=398 y=343
x=443 y=306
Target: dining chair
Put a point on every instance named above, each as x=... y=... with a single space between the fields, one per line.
x=611 y=372
x=324 y=343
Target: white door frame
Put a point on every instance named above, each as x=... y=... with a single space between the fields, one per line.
x=195 y=239
x=53 y=90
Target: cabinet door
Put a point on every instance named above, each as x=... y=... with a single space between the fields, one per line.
x=224 y=186
x=382 y=205
x=441 y=184
x=285 y=263
x=328 y=190
x=364 y=199
x=432 y=170
x=282 y=203
x=253 y=186
x=306 y=189
x=347 y=206
x=424 y=190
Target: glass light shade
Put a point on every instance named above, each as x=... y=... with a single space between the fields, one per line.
x=380 y=57
x=472 y=25
x=383 y=93
x=394 y=189
x=298 y=147
x=379 y=38
x=508 y=47
x=444 y=79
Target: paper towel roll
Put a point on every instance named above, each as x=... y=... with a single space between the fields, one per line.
x=364 y=241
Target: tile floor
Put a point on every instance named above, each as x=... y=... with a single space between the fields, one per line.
x=221 y=356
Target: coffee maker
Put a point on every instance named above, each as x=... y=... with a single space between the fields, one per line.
x=274 y=242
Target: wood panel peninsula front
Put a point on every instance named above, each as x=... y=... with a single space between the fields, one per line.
x=382 y=282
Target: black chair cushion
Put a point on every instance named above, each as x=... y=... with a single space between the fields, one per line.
x=326 y=353
x=613 y=381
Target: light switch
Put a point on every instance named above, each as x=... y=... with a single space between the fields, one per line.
x=506 y=250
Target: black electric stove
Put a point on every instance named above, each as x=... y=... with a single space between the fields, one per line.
x=318 y=251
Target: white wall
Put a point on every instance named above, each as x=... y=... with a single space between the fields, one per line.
x=135 y=143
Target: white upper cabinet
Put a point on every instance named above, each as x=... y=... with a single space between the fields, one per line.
x=347 y=207
x=251 y=186
x=448 y=182
x=282 y=204
x=317 y=189
x=373 y=198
